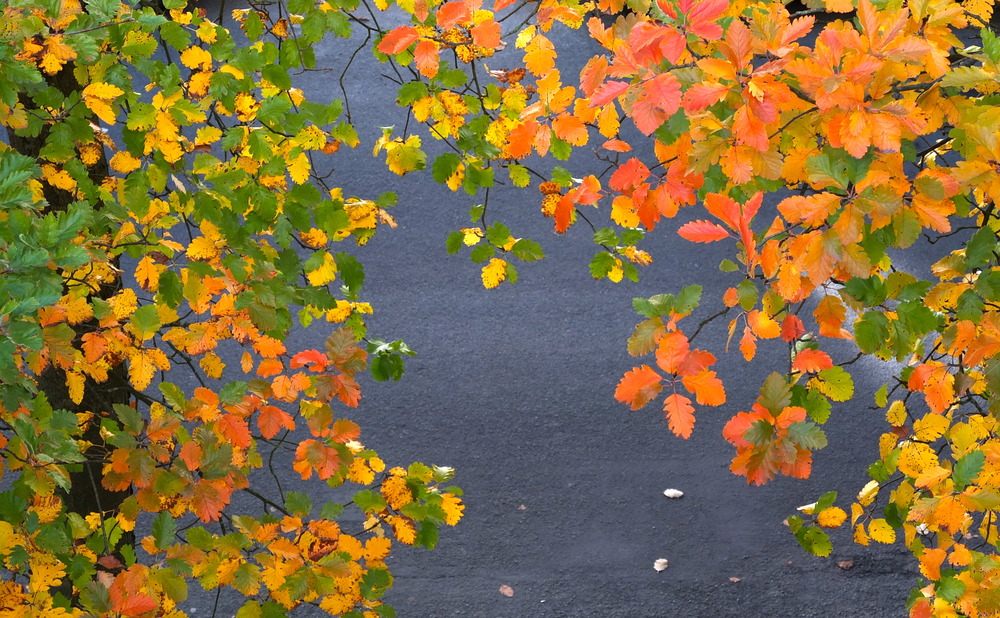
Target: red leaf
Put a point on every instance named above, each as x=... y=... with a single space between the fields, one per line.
x=792 y=328
x=628 y=176
x=700 y=96
x=486 y=34
x=639 y=386
x=316 y=360
x=398 y=40
x=593 y=74
x=702 y=231
x=564 y=214
x=811 y=361
x=235 y=430
x=452 y=13
x=314 y=455
x=607 y=92
x=680 y=415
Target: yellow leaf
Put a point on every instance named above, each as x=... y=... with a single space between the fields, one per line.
x=831 y=517
x=203 y=248
x=77 y=308
x=886 y=443
x=197 y=58
x=881 y=531
x=74 y=384
x=856 y=512
x=916 y=457
x=123 y=162
x=931 y=427
x=124 y=303
x=98 y=97
x=212 y=365
x=56 y=54
x=298 y=168
x=867 y=494
x=147 y=273
x=326 y=272
x=140 y=370
x=453 y=507
x=860 y=536
x=494 y=273
x=472 y=235
x=896 y=414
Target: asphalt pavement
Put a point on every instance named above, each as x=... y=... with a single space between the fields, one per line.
x=513 y=387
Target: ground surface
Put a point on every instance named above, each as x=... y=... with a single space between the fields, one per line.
x=513 y=387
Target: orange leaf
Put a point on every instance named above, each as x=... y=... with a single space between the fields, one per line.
x=792 y=328
x=345 y=431
x=707 y=388
x=235 y=430
x=811 y=361
x=314 y=359
x=191 y=455
x=616 y=145
x=207 y=501
x=271 y=419
x=570 y=129
x=398 y=40
x=748 y=343
x=314 y=455
x=270 y=367
x=426 y=57
x=639 y=386
x=680 y=415
x=564 y=214
x=702 y=231
x=452 y=13
x=671 y=351
x=486 y=34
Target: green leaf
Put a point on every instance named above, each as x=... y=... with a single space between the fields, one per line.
x=518 y=175
x=527 y=250
x=807 y=435
x=775 y=394
x=482 y=252
x=979 y=250
x=455 y=241
x=298 y=503
x=444 y=166
x=967 y=469
x=687 y=299
x=949 y=588
x=164 y=528
x=872 y=332
x=835 y=383
x=498 y=234
x=815 y=541
x=644 y=337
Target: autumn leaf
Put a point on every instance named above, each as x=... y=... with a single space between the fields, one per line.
x=398 y=40
x=680 y=415
x=702 y=231
x=639 y=386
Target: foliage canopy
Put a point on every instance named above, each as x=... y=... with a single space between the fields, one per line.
x=165 y=202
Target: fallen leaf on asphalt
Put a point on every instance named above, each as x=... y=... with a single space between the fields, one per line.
x=673 y=493
x=660 y=564
x=735 y=579
x=522 y=508
x=506 y=591
x=846 y=564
